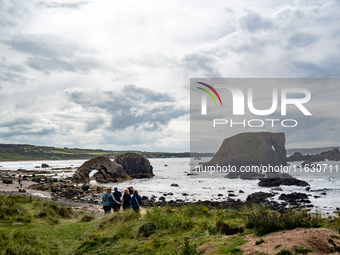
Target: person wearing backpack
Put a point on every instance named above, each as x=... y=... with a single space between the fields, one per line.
x=107 y=201
x=136 y=201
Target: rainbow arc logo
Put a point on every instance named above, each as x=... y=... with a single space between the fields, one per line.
x=209 y=93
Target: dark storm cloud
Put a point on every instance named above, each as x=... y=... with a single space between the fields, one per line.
x=130 y=107
x=49 y=53
x=51 y=5
x=254 y=22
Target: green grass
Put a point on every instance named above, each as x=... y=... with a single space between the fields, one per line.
x=302 y=250
x=259 y=242
x=277 y=246
x=33 y=226
x=284 y=252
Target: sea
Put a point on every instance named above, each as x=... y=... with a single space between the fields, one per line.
x=324 y=190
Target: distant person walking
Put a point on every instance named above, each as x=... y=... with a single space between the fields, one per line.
x=116 y=199
x=136 y=201
x=126 y=200
x=20 y=183
x=107 y=200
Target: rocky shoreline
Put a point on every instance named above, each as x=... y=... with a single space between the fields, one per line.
x=62 y=190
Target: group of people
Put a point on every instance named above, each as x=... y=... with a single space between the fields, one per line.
x=113 y=200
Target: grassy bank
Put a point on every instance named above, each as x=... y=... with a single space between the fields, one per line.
x=33 y=226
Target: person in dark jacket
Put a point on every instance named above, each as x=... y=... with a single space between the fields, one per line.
x=116 y=200
x=126 y=200
x=136 y=201
x=107 y=200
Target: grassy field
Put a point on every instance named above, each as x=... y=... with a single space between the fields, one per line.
x=20 y=152
x=33 y=226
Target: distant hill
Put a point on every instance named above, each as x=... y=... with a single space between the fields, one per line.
x=310 y=151
x=17 y=152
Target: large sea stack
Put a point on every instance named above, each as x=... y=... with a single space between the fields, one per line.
x=108 y=171
x=135 y=165
x=251 y=149
x=125 y=167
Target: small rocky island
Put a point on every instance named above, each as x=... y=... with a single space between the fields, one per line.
x=251 y=149
x=123 y=168
x=255 y=149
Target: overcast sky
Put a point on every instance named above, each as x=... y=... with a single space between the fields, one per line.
x=115 y=74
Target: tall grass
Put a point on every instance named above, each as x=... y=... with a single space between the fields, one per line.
x=264 y=221
x=17 y=208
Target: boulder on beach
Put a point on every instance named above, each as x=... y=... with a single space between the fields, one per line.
x=136 y=166
x=108 y=171
x=275 y=182
x=251 y=149
x=44 y=165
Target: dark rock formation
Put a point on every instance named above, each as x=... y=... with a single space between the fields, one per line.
x=295 y=197
x=333 y=154
x=7 y=181
x=274 y=182
x=43 y=165
x=258 y=197
x=251 y=149
x=135 y=165
x=108 y=171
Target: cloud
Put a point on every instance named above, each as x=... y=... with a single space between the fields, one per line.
x=13 y=12
x=26 y=126
x=254 y=22
x=13 y=78
x=51 y=5
x=51 y=53
x=301 y=40
x=94 y=123
x=200 y=64
x=131 y=107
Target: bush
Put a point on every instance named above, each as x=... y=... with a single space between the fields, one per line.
x=87 y=218
x=284 y=252
x=259 y=242
x=264 y=221
x=51 y=209
x=302 y=250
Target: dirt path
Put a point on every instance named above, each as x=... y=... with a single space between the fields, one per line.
x=316 y=239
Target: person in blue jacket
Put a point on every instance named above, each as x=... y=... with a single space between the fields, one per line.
x=107 y=201
x=136 y=201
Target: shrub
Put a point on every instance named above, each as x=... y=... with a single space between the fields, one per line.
x=259 y=242
x=265 y=222
x=87 y=218
x=284 y=252
x=302 y=250
x=277 y=246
